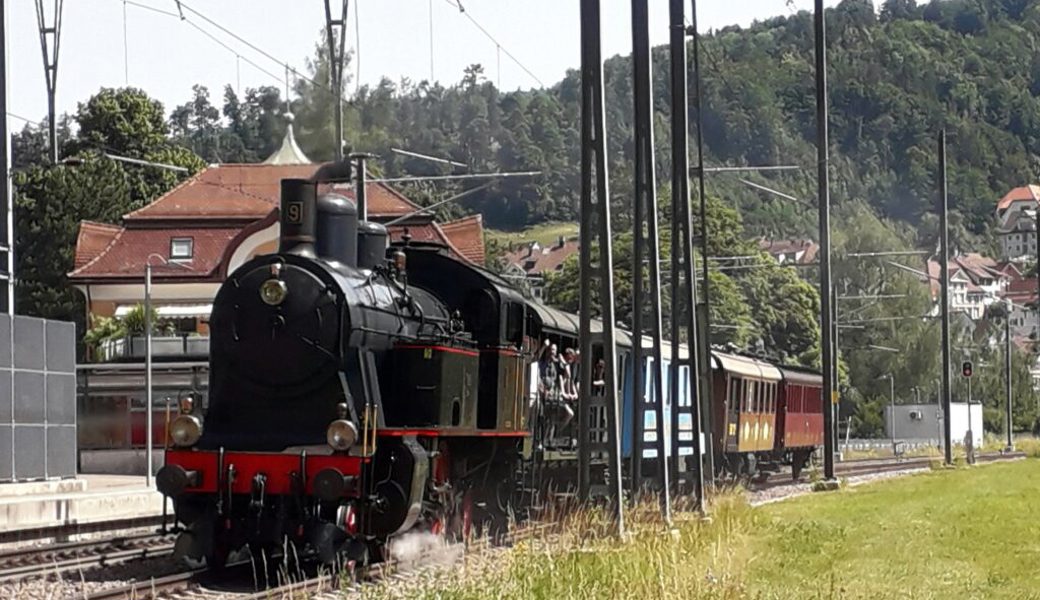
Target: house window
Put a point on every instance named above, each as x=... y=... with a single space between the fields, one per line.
x=181 y=248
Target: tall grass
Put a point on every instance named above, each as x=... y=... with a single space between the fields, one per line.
x=583 y=558
x=954 y=533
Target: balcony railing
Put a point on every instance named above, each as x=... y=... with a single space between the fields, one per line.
x=163 y=347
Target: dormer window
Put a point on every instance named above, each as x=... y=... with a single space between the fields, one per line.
x=181 y=248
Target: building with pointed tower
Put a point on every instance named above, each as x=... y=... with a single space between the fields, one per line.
x=193 y=236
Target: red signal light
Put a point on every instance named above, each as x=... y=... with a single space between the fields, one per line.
x=966 y=368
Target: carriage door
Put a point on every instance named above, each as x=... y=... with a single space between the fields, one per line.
x=733 y=399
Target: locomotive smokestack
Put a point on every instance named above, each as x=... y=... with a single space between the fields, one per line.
x=337 y=229
x=298 y=217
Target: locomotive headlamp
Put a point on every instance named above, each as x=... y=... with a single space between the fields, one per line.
x=342 y=434
x=187 y=405
x=185 y=430
x=273 y=292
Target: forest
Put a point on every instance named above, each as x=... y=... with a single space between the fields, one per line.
x=897 y=75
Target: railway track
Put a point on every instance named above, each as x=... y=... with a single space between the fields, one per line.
x=198 y=583
x=871 y=466
x=53 y=559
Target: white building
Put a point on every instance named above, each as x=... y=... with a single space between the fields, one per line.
x=921 y=422
x=976 y=282
x=1016 y=217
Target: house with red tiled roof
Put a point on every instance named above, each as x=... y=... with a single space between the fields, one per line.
x=1016 y=222
x=532 y=262
x=216 y=220
x=193 y=236
x=790 y=251
x=976 y=281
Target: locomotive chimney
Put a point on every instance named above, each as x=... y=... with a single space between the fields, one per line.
x=337 y=229
x=298 y=218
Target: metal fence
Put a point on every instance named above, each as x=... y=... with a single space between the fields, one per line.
x=37 y=398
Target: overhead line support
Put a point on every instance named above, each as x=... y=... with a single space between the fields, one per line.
x=823 y=191
x=683 y=281
x=646 y=249
x=595 y=232
x=703 y=312
x=336 y=35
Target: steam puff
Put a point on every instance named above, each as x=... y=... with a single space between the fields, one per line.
x=424 y=548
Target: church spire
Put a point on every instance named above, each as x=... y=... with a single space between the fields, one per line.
x=289 y=153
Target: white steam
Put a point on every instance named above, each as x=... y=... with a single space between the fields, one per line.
x=423 y=548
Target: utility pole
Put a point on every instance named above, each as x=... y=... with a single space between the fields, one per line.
x=148 y=418
x=892 y=410
x=684 y=282
x=336 y=36
x=702 y=316
x=970 y=446
x=595 y=231
x=645 y=214
x=944 y=271
x=50 y=43
x=1010 y=447
x=835 y=407
x=6 y=193
x=823 y=185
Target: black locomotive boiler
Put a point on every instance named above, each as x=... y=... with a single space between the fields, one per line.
x=358 y=390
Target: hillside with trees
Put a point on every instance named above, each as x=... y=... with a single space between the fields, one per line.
x=896 y=77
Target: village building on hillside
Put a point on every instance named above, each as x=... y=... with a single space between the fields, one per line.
x=800 y=252
x=531 y=262
x=976 y=282
x=193 y=237
x=1023 y=296
x=1016 y=223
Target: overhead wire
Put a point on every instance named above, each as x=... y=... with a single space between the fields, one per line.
x=457 y=4
x=41 y=122
x=249 y=44
x=224 y=44
x=212 y=37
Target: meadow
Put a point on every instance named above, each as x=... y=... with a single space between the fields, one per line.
x=948 y=533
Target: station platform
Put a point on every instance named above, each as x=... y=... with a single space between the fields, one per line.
x=84 y=500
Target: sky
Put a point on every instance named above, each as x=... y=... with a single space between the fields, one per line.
x=165 y=56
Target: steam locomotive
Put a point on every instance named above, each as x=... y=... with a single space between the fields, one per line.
x=361 y=389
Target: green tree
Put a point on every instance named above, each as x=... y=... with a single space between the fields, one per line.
x=50 y=201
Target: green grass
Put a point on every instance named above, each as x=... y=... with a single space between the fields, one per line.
x=960 y=533
x=545 y=234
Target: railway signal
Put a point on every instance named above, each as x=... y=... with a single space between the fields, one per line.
x=966 y=369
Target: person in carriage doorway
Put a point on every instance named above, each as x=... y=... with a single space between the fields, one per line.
x=548 y=372
x=568 y=387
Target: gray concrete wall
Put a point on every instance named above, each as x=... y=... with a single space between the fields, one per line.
x=37 y=398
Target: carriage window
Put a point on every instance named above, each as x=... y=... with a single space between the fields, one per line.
x=734 y=394
x=515 y=323
x=772 y=395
